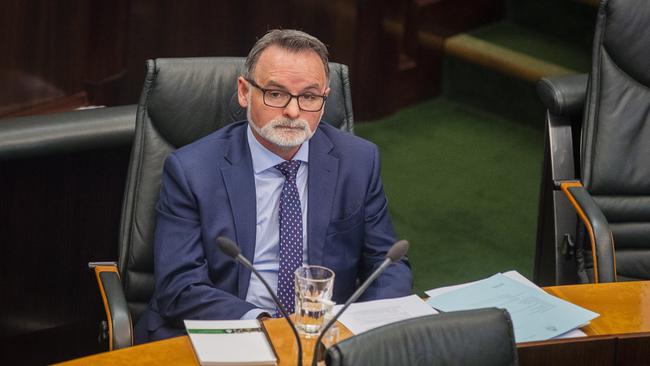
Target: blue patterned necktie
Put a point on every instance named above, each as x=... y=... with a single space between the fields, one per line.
x=290 y=234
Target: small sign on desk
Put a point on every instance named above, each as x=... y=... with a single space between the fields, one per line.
x=230 y=342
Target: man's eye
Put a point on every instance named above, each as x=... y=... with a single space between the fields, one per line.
x=275 y=94
x=309 y=97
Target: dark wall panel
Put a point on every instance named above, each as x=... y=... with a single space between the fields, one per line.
x=192 y=29
x=57 y=213
x=50 y=49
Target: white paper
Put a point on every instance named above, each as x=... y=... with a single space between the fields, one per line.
x=514 y=275
x=576 y=333
x=363 y=316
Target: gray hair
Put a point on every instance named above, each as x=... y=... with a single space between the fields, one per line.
x=288 y=39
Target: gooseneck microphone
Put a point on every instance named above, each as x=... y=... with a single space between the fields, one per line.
x=395 y=253
x=232 y=250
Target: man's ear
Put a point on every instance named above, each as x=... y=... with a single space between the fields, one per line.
x=322 y=111
x=242 y=92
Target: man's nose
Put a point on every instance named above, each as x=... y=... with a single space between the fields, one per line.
x=292 y=110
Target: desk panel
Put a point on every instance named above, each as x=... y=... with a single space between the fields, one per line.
x=624 y=309
x=592 y=351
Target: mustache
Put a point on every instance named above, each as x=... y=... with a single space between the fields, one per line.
x=291 y=123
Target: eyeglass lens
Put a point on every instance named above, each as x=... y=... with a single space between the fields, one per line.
x=280 y=99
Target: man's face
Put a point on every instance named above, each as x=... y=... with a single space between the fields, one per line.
x=283 y=130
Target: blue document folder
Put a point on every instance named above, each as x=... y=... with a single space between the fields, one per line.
x=536 y=315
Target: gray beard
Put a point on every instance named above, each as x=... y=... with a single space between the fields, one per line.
x=276 y=136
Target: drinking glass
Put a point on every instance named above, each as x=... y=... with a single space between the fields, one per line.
x=314 y=286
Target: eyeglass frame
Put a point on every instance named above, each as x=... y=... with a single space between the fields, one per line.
x=291 y=96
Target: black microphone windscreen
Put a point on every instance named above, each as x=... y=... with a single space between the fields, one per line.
x=228 y=246
x=398 y=250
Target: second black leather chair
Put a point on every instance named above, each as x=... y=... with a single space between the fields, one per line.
x=609 y=187
x=474 y=337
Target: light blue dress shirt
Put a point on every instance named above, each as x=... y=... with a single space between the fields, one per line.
x=268 y=187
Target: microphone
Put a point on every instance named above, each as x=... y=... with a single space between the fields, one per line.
x=395 y=253
x=232 y=250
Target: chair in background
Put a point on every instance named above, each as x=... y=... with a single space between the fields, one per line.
x=605 y=178
x=474 y=337
x=182 y=100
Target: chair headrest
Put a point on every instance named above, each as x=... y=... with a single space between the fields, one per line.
x=192 y=97
x=626 y=38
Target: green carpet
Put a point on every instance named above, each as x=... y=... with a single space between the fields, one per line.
x=539 y=45
x=462 y=186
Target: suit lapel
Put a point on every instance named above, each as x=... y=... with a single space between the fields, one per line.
x=323 y=174
x=240 y=185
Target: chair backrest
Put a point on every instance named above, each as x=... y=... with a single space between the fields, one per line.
x=475 y=337
x=615 y=141
x=183 y=100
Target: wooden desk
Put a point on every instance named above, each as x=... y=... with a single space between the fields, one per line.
x=624 y=307
x=620 y=336
x=178 y=351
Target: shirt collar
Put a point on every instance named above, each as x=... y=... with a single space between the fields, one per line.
x=264 y=158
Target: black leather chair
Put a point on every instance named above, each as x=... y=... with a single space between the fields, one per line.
x=182 y=100
x=475 y=337
x=606 y=176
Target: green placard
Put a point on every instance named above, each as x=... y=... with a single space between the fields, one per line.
x=224 y=331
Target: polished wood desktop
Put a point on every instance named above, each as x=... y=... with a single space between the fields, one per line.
x=624 y=306
x=620 y=335
x=178 y=351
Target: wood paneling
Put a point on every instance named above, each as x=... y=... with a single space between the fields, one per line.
x=57 y=213
x=586 y=351
x=53 y=49
x=193 y=29
x=50 y=49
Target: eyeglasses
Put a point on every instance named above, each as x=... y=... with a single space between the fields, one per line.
x=307 y=102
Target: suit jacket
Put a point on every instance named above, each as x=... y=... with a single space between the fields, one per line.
x=208 y=190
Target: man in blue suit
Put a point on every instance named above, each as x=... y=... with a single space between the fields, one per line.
x=288 y=189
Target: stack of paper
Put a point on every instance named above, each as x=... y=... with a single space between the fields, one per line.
x=230 y=342
x=536 y=315
x=363 y=316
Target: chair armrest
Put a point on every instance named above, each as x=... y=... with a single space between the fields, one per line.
x=600 y=235
x=564 y=95
x=120 y=327
x=58 y=133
